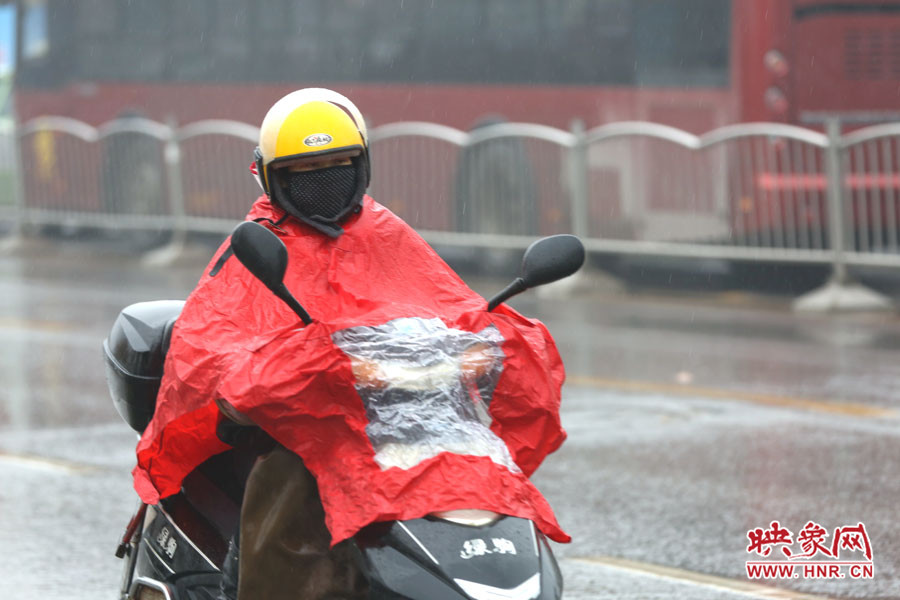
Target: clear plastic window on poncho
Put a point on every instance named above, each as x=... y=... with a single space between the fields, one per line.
x=426 y=389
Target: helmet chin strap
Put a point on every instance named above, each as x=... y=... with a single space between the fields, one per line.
x=332 y=230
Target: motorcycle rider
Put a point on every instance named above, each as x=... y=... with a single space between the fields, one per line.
x=318 y=179
x=313 y=164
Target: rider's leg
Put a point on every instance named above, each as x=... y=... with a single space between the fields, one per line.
x=285 y=546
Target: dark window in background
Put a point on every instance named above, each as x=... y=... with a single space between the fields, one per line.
x=111 y=42
x=395 y=34
x=589 y=42
x=448 y=44
x=190 y=31
x=563 y=42
x=229 y=45
x=283 y=33
x=682 y=42
x=41 y=39
x=35 y=40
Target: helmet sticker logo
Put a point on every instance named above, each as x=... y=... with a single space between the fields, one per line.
x=317 y=139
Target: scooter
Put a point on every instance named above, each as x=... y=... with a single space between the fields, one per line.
x=175 y=550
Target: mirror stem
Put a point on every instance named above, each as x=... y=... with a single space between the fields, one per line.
x=283 y=293
x=516 y=287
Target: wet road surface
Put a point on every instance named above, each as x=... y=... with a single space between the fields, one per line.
x=692 y=419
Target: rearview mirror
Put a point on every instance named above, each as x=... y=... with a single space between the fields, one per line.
x=551 y=258
x=261 y=252
x=547 y=260
x=266 y=257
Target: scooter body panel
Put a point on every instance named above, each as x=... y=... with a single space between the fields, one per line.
x=440 y=560
x=420 y=559
x=168 y=561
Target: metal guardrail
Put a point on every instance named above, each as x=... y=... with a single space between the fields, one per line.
x=755 y=191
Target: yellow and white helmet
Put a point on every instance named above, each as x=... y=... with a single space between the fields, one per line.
x=313 y=159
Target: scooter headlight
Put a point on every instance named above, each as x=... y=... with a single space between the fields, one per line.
x=144 y=588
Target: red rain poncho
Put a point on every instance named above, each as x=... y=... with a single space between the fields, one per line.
x=235 y=340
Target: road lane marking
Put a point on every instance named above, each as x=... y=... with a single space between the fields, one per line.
x=41 y=463
x=735 y=586
x=34 y=324
x=841 y=408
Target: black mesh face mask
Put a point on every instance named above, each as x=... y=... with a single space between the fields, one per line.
x=323 y=197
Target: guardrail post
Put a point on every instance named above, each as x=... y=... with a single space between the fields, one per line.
x=840 y=293
x=578 y=180
x=577 y=176
x=172 y=158
x=15 y=237
x=837 y=214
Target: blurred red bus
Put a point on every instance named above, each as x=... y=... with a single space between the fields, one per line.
x=693 y=64
x=543 y=61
